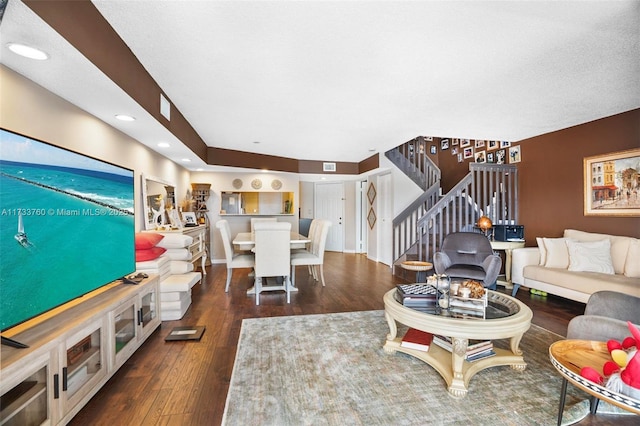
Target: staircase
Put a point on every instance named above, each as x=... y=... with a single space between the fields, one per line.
x=488 y=190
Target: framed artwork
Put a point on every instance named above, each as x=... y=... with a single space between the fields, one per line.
x=491 y=157
x=444 y=144
x=433 y=150
x=465 y=142
x=491 y=145
x=612 y=184
x=454 y=141
x=460 y=159
x=428 y=138
x=454 y=150
x=371 y=218
x=514 y=154
x=468 y=152
x=505 y=144
x=371 y=193
x=501 y=156
x=479 y=143
x=480 y=156
x=189 y=218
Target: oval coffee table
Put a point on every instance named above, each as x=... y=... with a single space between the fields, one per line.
x=506 y=318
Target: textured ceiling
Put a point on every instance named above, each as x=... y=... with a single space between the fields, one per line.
x=334 y=80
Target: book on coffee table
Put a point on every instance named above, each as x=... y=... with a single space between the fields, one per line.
x=417 y=339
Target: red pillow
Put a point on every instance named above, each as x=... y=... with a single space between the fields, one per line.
x=149 y=254
x=147 y=240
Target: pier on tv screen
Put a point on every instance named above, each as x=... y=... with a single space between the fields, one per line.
x=66 y=226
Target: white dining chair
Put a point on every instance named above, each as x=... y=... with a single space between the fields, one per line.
x=272 y=255
x=313 y=257
x=255 y=220
x=234 y=260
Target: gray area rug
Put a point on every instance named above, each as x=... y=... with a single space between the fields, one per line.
x=331 y=369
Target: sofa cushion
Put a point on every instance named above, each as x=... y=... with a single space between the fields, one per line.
x=149 y=254
x=543 y=251
x=632 y=267
x=147 y=240
x=590 y=256
x=557 y=253
x=174 y=240
x=181 y=267
x=182 y=282
x=619 y=245
x=584 y=282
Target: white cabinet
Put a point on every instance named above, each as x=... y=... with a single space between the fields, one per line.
x=72 y=354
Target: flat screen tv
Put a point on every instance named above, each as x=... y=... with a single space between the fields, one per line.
x=66 y=226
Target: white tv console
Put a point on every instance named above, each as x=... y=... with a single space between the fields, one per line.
x=73 y=353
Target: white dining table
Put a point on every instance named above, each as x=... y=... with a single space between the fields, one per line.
x=246 y=241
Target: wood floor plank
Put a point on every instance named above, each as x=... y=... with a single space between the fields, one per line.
x=186 y=383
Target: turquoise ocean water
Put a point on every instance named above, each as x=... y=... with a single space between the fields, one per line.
x=77 y=244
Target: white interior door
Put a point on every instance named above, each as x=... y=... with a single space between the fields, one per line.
x=329 y=205
x=385 y=227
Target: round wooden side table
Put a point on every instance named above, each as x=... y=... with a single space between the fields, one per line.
x=419 y=267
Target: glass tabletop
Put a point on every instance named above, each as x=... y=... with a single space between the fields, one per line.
x=493 y=305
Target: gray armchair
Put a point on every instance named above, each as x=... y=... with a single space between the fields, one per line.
x=468 y=255
x=605 y=317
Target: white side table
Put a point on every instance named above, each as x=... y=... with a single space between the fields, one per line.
x=507 y=247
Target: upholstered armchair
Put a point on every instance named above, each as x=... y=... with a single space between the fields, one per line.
x=605 y=317
x=468 y=255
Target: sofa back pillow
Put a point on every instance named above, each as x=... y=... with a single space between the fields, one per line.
x=619 y=245
x=542 y=250
x=632 y=267
x=590 y=256
x=557 y=253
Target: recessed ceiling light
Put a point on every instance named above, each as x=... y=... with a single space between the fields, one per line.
x=186 y=160
x=164 y=145
x=199 y=169
x=124 y=117
x=372 y=149
x=27 y=51
x=256 y=142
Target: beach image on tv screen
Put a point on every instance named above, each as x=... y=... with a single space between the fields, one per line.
x=66 y=226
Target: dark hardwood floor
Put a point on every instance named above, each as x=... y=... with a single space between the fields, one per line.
x=185 y=383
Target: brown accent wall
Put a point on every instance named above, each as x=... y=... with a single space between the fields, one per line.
x=551 y=177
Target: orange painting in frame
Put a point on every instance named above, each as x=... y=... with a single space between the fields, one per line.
x=612 y=184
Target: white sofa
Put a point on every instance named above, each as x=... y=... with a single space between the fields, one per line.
x=577 y=265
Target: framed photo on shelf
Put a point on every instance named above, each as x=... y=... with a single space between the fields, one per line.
x=189 y=219
x=612 y=184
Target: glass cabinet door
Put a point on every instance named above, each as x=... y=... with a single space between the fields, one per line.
x=148 y=308
x=83 y=363
x=124 y=323
x=27 y=402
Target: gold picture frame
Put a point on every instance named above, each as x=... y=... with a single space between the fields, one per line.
x=612 y=184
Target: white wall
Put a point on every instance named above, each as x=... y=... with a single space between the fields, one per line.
x=223 y=181
x=29 y=109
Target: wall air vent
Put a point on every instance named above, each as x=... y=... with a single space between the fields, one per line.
x=328 y=167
